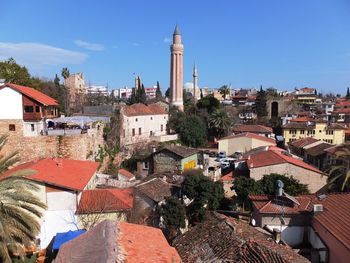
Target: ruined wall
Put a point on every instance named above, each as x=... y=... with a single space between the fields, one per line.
x=78 y=147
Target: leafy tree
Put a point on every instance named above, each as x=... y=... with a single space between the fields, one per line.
x=205 y=193
x=173 y=213
x=192 y=131
x=245 y=186
x=65 y=73
x=19 y=209
x=159 y=94
x=224 y=90
x=167 y=93
x=175 y=118
x=57 y=81
x=14 y=73
x=348 y=94
x=209 y=103
x=260 y=103
x=291 y=185
x=220 y=121
x=339 y=175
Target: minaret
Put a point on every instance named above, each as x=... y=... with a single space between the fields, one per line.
x=176 y=71
x=195 y=75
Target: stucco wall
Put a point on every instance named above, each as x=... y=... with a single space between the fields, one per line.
x=99 y=217
x=240 y=144
x=11 y=106
x=315 y=181
x=189 y=162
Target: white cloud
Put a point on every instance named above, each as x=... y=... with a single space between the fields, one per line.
x=166 y=40
x=89 y=46
x=37 y=55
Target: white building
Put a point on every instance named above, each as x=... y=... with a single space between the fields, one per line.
x=122 y=93
x=97 y=90
x=142 y=123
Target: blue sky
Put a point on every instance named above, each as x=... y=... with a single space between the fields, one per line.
x=284 y=44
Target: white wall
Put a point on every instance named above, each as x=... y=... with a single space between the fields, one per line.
x=27 y=128
x=62 y=200
x=11 y=105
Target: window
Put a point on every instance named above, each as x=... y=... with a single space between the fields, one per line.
x=12 y=127
x=37 y=109
x=312 y=132
x=319 y=131
x=164 y=117
x=329 y=132
x=133 y=132
x=292 y=131
x=161 y=127
x=150 y=133
x=136 y=119
x=139 y=131
x=124 y=133
x=32 y=127
x=151 y=118
x=302 y=131
x=145 y=165
x=28 y=109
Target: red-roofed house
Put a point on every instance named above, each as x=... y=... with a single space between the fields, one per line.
x=243 y=142
x=124 y=175
x=119 y=242
x=98 y=204
x=227 y=181
x=60 y=185
x=269 y=160
x=142 y=123
x=24 y=110
x=320 y=222
x=253 y=128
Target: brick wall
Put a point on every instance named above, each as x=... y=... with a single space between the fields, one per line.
x=77 y=147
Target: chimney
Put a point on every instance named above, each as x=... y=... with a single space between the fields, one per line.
x=277 y=235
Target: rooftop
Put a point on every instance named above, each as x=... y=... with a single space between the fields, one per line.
x=318 y=149
x=126 y=173
x=180 y=150
x=251 y=136
x=33 y=94
x=140 y=109
x=252 y=128
x=156 y=189
x=303 y=142
x=224 y=239
x=65 y=173
x=105 y=200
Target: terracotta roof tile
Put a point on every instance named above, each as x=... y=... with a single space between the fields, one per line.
x=318 y=149
x=126 y=173
x=252 y=128
x=228 y=177
x=303 y=142
x=145 y=244
x=66 y=173
x=32 y=93
x=250 y=135
x=142 y=109
x=105 y=200
x=156 y=189
x=180 y=150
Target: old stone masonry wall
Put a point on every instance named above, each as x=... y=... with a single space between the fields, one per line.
x=78 y=147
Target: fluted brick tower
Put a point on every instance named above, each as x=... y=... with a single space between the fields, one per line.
x=176 y=71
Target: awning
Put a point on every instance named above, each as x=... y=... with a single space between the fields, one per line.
x=62 y=238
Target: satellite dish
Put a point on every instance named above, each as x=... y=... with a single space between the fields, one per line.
x=279 y=184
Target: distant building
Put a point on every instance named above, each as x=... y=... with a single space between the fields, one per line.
x=76 y=90
x=305 y=95
x=24 y=110
x=122 y=93
x=96 y=90
x=142 y=123
x=253 y=128
x=331 y=133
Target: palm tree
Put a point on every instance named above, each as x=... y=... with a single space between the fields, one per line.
x=220 y=121
x=65 y=73
x=19 y=209
x=224 y=90
x=339 y=175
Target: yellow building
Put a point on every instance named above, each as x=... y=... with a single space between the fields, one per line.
x=320 y=130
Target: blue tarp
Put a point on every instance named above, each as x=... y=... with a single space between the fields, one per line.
x=62 y=238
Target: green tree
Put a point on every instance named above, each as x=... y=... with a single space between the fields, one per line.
x=205 y=193
x=339 y=175
x=19 y=209
x=224 y=91
x=260 y=103
x=14 y=73
x=209 y=103
x=192 y=131
x=167 y=93
x=173 y=213
x=292 y=186
x=245 y=186
x=65 y=73
x=220 y=121
x=143 y=96
x=159 y=94
x=57 y=81
x=348 y=94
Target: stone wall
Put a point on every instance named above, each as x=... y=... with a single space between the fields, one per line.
x=78 y=147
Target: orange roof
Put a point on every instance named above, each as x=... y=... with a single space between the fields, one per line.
x=302 y=119
x=32 y=93
x=271 y=157
x=65 y=173
x=105 y=200
x=126 y=173
x=250 y=135
x=253 y=128
x=142 y=109
x=145 y=244
x=228 y=177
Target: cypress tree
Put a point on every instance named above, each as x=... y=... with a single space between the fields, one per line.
x=348 y=94
x=260 y=103
x=158 y=92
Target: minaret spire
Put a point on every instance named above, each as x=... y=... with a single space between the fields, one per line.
x=195 y=75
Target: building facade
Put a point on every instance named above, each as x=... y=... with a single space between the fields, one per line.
x=76 y=90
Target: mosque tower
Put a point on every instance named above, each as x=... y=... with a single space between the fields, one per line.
x=176 y=71
x=195 y=83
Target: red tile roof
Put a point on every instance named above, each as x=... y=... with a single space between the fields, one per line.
x=271 y=157
x=268 y=204
x=126 y=173
x=145 y=244
x=65 y=173
x=252 y=128
x=250 y=135
x=302 y=119
x=303 y=142
x=32 y=93
x=142 y=109
x=227 y=178
x=105 y=200
x=342 y=111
